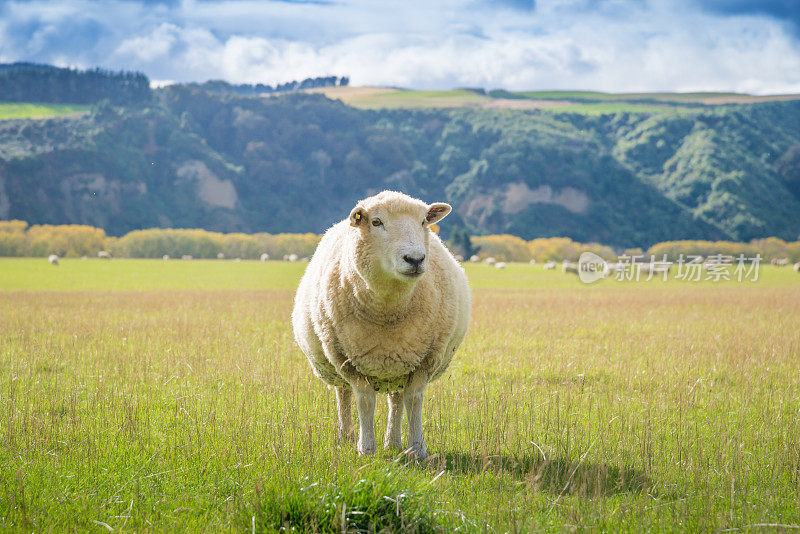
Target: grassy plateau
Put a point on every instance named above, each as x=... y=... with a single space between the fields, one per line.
x=578 y=102
x=143 y=395
x=38 y=111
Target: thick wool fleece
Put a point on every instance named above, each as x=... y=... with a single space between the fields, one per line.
x=349 y=316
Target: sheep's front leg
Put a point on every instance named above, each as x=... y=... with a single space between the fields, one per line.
x=416 y=441
x=365 y=402
x=344 y=399
x=394 y=428
x=413 y=397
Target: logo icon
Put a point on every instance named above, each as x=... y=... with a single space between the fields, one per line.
x=591 y=267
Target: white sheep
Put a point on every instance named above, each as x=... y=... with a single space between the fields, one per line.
x=797 y=267
x=382 y=307
x=220 y=255
x=103 y=255
x=52 y=258
x=490 y=261
x=165 y=257
x=550 y=265
x=569 y=267
x=187 y=257
x=264 y=257
x=500 y=265
x=533 y=261
x=474 y=258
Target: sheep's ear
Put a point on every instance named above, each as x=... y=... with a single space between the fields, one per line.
x=357 y=216
x=437 y=211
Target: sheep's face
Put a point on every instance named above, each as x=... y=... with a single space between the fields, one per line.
x=395 y=236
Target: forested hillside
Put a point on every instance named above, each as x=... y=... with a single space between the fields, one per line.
x=298 y=162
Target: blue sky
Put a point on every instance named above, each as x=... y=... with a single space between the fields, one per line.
x=611 y=45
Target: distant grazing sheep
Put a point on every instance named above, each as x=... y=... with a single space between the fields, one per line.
x=655 y=267
x=490 y=260
x=292 y=257
x=264 y=257
x=305 y=259
x=474 y=258
x=613 y=268
x=186 y=257
x=797 y=267
x=532 y=262
x=220 y=256
x=52 y=258
x=382 y=307
x=500 y=265
x=165 y=257
x=237 y=259
x=780 y=262
x=569 y=267
x=550 y=265
x=104 y=255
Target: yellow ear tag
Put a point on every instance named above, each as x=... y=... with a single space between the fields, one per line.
x=358 y=216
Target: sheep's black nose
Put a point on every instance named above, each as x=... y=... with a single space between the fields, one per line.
x=414 y=262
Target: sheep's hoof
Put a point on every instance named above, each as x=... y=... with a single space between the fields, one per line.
x=346 y=437
x=393 y=446
x=417 y=453
x=367 y=449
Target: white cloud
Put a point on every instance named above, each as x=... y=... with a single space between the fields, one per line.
x=614 y=45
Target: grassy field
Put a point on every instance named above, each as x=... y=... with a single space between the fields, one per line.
x=373 y=98
x=144 y=395
x=38 y=111
x=377 y=98
x=582 y=102
x=707 y=98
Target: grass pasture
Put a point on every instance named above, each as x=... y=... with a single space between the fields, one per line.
x=38 y=111
x=374 y=98
x=579 y=102
x=142 y=395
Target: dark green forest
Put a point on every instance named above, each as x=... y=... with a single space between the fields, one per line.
x=30 y=82
x=246 y=89
x=298 y=162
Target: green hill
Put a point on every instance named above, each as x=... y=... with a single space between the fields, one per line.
x=620 y=175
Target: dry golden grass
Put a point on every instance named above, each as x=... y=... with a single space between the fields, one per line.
x=641 y=407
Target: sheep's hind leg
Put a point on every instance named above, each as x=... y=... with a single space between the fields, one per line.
x=344 y=400
x=394 y=428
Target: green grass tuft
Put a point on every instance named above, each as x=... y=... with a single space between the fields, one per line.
x=381 y=503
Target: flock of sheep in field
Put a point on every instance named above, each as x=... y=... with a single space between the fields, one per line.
x=54 y=259
x=656 y=267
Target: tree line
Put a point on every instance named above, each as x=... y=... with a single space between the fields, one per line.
x=19 y=239
x=29 y=82
x=223 y=87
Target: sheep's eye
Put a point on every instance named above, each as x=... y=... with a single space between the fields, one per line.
x=376 y=222
x=423 y=223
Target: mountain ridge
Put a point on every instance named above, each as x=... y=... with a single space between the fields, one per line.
x=296 y=162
